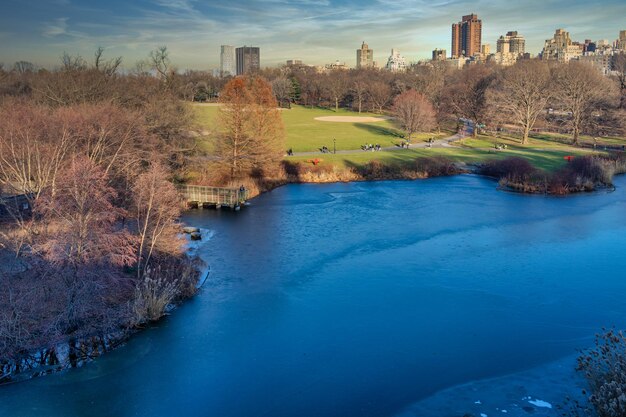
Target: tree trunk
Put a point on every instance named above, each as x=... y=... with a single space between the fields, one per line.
x=525 y=136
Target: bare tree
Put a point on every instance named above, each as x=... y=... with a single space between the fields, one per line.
x=360 y=91
x=619 y=67
x=431 y=81
x=466 y=95
x=157 y=206
x=522 y=93
x=161 y=63
x=414 y=112
x=108 y=67
x=33 y=146
x=379 y=94
x=23 y=67
x=283 y=90
x=73 y=62
x=581 y=91
x=336 y=85
x=81 y=218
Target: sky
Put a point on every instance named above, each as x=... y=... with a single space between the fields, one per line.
x=315 y=31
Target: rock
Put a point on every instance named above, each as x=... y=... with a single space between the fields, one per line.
x=62 y=353
x=191 y=230
x=196 y=236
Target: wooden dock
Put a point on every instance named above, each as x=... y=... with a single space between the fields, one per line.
x=203 y=196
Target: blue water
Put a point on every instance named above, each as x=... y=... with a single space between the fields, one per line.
x=360 y=299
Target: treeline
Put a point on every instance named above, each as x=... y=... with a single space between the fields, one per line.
x=572 y=98
x=89 y=236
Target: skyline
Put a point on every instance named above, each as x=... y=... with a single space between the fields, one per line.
x=314 y=31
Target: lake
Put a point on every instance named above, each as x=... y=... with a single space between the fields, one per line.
x=368 y=299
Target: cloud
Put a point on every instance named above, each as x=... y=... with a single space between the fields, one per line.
x=317 y=31
x=56 y=28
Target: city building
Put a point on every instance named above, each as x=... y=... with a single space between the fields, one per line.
x=364 y=57
x=601 y=60
x=561 y=48
x=439 y=55
x=248 y=59
x=621 y=42
x=485 y=50
x=466 y=36
x=294 y=62
x=228 y=64
x=336 y=66
x=396 y=62
x=457 y=63
x=509 y=48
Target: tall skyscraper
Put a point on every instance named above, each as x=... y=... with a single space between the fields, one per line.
x=248 y=59
x=227 y=61
x=621 y=42
x=467 y=36
x=364 y=57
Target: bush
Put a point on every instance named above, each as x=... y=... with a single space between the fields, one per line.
x=605 y=370
x=593 y=169
x=436 y=166
x=513 y=169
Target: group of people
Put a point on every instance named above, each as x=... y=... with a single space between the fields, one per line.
x=405 y=144
x=289 y=152
x=370 y=147
x=325 y=149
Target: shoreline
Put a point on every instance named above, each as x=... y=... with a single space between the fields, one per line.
x=465 y=169
x=75 y=353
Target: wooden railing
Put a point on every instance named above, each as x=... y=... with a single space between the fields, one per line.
x=231 y=197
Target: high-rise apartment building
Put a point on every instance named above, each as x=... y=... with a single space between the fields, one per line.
x=364 y=57
x=621 y=42
x=439 y=55
x=396 y=62
x=248 y=59
x=561 y=48
x=467 y=36
x=227 y=61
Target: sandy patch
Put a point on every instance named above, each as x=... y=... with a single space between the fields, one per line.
x=351 y=119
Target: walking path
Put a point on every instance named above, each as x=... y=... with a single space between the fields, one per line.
x=437 y=143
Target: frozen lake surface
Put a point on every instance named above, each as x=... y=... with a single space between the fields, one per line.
x=409 y=298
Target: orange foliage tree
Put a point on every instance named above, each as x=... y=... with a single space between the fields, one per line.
x=251 y=128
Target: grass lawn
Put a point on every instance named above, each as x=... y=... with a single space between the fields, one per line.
x=548 y=160
x=604 y=140
x=304 y=133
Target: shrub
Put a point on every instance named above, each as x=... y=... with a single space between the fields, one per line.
x=605 y=370
x=435 y=166
x=514 y=169
x=593 y=169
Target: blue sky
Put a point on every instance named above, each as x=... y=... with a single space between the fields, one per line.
x=316 y=31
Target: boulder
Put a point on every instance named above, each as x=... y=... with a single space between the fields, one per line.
x=190 y=230
x=196 y=236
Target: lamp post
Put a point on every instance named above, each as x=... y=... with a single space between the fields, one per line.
x=334 y=145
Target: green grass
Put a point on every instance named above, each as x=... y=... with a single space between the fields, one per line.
x=305 y=134
x=548 y=160
x=604 y=140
